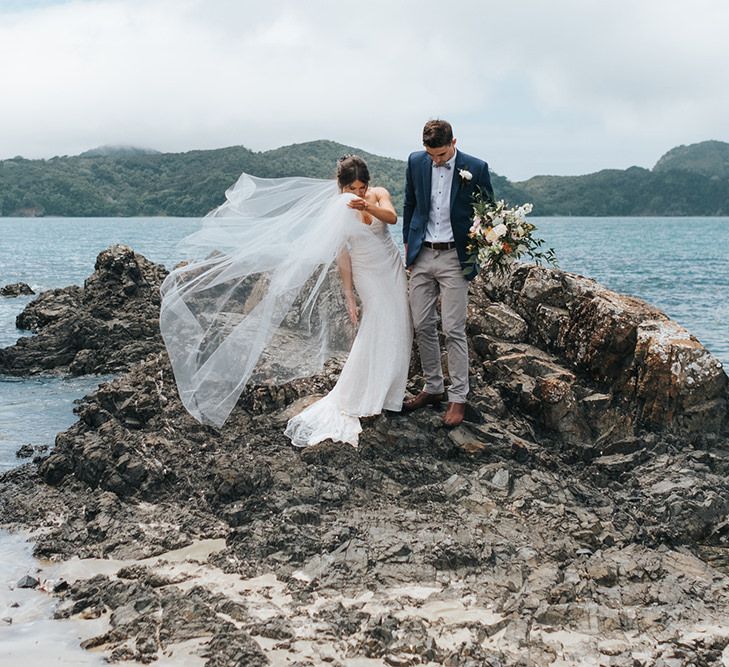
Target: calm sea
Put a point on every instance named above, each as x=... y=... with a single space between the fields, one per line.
x=56 y=252
x=680 y=265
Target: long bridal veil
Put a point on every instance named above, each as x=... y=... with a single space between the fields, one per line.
x=262 y=303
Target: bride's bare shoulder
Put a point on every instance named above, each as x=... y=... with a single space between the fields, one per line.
x=380 y=192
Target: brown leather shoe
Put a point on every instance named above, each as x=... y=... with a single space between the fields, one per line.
x=421 y=400
x=454 y=414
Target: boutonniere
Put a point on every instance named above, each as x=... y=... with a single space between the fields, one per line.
x=465 y=176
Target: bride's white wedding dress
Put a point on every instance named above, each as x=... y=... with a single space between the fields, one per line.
x=375 y=373
x=262 y=304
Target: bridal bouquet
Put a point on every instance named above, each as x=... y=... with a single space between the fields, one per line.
x=500 y=235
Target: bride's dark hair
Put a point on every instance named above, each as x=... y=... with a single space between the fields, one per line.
x=351 y=168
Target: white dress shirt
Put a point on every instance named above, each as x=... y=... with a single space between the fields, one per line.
x=439 y=228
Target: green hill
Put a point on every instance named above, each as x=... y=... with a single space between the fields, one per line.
x=124 y=181
x=141 y=183
x=687 y=180
x=118 y=151
x=710 y=158
x=629 y=192
x=128 y=181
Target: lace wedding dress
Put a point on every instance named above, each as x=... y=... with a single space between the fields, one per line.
x=375 y=373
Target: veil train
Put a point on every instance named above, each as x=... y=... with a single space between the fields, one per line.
x=262 y=302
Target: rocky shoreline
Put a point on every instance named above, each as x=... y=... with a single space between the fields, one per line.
x=579 y=516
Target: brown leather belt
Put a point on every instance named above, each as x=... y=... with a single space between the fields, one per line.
x=439 y=246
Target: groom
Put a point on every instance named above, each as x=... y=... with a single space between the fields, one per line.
x=439 y=187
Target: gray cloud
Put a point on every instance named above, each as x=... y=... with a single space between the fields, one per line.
x=534 y=87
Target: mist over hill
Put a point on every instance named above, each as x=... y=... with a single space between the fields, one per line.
x=118 y=151
x=133 y=181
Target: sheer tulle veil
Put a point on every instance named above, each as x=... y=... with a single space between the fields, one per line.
x=262 y=300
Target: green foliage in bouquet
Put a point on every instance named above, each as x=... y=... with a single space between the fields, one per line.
x=500 y=235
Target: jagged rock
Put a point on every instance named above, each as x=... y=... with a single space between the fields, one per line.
x=567 y=501
x=16 y=289
x=560 y=411
x=103 y=327
x=49 y=307
x=25 y=451
x=28 y=582
x=500 y=321
x=655 y=372
x=676 y=381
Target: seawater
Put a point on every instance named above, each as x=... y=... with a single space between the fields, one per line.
x=56 y=252
x=33 y=639
x=680 y=265
x=33 y=410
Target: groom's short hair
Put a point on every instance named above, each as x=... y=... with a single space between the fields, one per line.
x=437 y=133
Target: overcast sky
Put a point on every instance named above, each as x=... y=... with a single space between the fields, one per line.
x=533 y=87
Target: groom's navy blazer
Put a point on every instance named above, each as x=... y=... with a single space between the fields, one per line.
x=417 y=201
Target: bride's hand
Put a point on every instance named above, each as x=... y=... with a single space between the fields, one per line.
x=358 y=203
x=352 y=309
x=361 y=205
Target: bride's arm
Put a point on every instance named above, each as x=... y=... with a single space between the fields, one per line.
x=344 y=263
x=383 y=210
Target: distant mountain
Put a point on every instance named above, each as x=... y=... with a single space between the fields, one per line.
x=709 y=158
x=629 y=192
x=118 y=151
x=175 y=184
x=687 y=180
x=131 y=181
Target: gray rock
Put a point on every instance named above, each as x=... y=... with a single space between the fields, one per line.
x=16 y=289
x=662 y=376
x=556 y=507
x=500 y=321
x=103 y=327
x=455 y=486
x=25 y=451
x=28 y=582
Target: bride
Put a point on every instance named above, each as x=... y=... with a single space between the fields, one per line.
x=270 y=301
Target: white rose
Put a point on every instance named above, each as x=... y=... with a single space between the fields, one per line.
x=465 y=174
x=500 y=230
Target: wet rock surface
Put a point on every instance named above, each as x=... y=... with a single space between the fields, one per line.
x=16 y=289
x=103 y=327
x=560 y=524
x=28 y=450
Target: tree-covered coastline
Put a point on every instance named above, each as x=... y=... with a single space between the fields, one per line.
x=687 y=180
